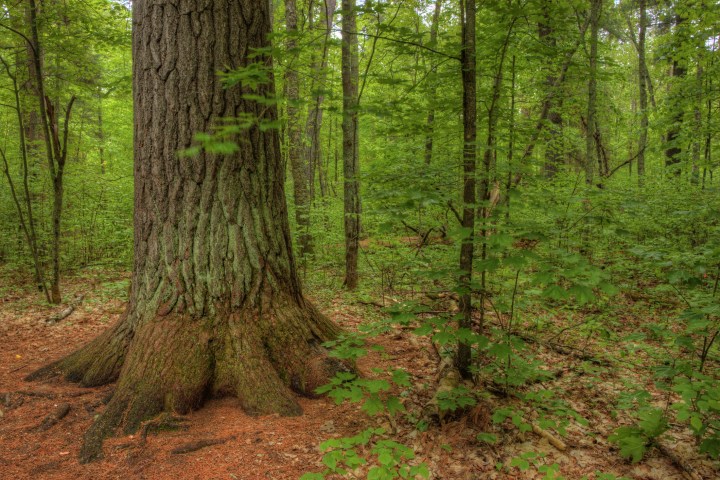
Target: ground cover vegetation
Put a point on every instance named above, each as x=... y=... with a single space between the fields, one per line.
x=505 y=214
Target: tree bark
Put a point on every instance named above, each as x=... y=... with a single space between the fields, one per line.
x=215 y=305
x=350 y=127
x=673 y=150
x=298 y=165
x=642 y=86
x=591 y=152
x=553 y=150
x=463 y=357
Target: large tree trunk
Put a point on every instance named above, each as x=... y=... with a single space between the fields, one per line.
x=351 y=161
x=215 y=305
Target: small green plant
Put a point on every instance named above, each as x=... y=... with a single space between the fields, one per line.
x=635 y=440
x=387 y=459
x=528 y=460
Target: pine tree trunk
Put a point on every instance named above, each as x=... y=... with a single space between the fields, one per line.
x=215 y=306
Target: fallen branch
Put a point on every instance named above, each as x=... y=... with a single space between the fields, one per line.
x=680 y=463
x=54 y=417
x=552 y=439
x=194 y=446
x=20 y=367
x=63 y=314
x=448 y=379
x=564 y=350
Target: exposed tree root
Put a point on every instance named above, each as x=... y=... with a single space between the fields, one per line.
x=197 y=445
x=164 y=421
x=54 y=417
x=262 y=356
x=688 y=470
x=98 y=363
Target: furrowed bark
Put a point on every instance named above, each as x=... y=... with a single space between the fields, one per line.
x=215 y=305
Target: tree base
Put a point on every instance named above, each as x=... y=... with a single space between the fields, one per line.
x=263 y=356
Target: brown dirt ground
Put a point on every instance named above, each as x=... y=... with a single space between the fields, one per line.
x=275 y=447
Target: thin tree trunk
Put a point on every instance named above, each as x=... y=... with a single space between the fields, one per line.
x=350 y=127
x=549 y=99
x=511 y=142
x=591 y=153
x=433 y=86
x=101 y=135
x=707 y=154
x=27 y=225
x=313 y=125
x=695 y=173
x=55 y=151
x=642 y=86
x=490 y=153
x=463 y=357
x=298 y=165
x=553 y=150
x=673 y=150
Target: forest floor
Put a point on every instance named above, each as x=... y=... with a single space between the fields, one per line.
x=242 y=447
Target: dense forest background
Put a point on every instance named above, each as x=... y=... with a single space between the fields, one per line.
x=593 y=204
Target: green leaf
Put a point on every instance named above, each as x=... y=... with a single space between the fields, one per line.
x=373 y=405
x=312 y=476
x=631 y=442
x=520 y=463
x=487 y=438
x=696 y=423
